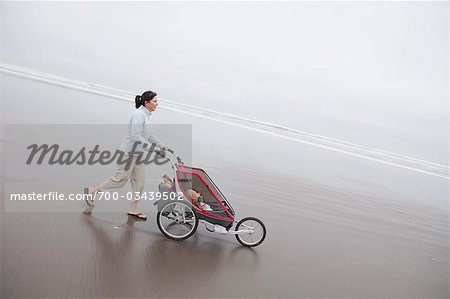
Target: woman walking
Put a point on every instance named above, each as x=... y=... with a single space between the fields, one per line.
x=138 y=140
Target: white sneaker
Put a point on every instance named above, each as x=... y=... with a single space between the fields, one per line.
x=220 y=229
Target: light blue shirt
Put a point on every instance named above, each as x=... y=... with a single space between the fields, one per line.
x=139 y=129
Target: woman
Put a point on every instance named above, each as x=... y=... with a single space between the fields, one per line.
x=138 y=141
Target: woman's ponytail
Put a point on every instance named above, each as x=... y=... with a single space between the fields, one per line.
x=145 y=97
x=138 y=101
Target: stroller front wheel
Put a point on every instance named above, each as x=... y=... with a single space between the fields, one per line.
x=177 y=221
x=251 y=232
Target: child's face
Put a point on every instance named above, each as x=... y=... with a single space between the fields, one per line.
x=195 y=195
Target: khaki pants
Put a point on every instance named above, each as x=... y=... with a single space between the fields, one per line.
x=136 y=174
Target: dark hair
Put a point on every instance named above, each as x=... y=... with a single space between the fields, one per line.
x=145 y=97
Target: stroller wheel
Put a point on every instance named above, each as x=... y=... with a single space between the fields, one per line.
x=177 y=221
x=252 y=232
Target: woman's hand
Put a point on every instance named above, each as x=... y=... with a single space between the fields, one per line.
x=162 y=149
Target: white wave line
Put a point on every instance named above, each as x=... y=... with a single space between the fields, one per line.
x=256 y=125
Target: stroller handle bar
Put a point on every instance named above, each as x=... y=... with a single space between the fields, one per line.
x=162 y=153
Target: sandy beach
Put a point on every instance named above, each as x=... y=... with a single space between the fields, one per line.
x=338 y=226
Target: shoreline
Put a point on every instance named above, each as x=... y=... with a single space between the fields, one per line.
x=276 y=130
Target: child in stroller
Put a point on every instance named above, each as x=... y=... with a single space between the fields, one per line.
x=213 y=208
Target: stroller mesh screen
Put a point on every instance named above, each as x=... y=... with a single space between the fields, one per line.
x=189 y=181
x=194 y=182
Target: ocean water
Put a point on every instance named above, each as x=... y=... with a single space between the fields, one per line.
x=372 y=74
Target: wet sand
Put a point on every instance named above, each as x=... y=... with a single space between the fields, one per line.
x=337 y=226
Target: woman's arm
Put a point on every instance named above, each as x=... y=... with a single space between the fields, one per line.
x=155 y=140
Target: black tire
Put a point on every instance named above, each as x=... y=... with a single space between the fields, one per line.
x=163 y=215
x=259 y=239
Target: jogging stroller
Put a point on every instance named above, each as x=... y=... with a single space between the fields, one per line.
x=190 y=197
